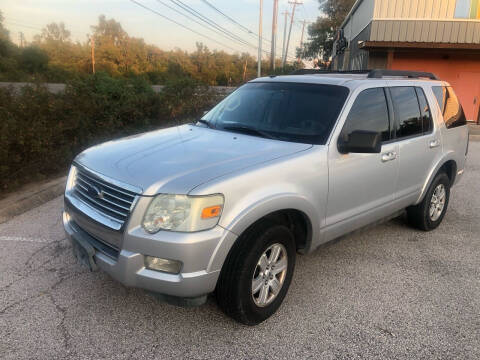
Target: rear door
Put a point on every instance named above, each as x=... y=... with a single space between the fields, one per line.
x=419 y=144
x=361 y=185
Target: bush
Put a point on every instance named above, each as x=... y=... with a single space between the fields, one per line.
x=41 y=132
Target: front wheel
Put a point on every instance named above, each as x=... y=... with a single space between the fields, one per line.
x=428 y=214
x=257 y=273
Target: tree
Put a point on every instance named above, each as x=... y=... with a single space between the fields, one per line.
x=33 y=60
x=322 y=32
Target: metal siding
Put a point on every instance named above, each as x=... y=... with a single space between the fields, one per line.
x=420 y=9
x=450 y=9
x=476 y=33
x=440 y=31
x=418 y=31
x=447 y=32
x=469 y=33
x=462 y=34
x=410 y=30
x=454 y=33
x=395 y=31
x=443 y=9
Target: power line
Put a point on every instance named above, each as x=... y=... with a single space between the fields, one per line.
x=181 y=25
x=192 y=19
x=205 y=19
x=232 y=20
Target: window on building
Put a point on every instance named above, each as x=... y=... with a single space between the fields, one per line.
x=467 y=9
x=452 y=111
x=407 y=112
x=369 y=113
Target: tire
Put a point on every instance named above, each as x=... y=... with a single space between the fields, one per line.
x=420 y=215
x=243 y=265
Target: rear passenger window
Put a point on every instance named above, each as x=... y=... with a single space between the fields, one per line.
x=424 y=111
x=407 y=113
x=452 y=111
x=369 y=113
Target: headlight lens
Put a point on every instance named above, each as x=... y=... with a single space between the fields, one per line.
x=72 y=175
x=182 y=213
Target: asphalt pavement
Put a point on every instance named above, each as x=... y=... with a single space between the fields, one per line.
x=389 y=292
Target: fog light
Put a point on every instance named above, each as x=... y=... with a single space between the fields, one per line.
x=165 y=265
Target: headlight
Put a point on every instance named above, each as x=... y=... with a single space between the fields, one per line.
x=72 y=175
x=182 y=213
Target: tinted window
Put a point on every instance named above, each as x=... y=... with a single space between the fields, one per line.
x=424 y=111
x=407 y=113
x=285 y=111
x=452 y=111
x=369 y=113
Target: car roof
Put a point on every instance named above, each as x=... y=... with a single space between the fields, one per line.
x=349 y=80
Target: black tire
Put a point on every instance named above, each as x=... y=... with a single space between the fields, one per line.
x=234 y=287
x=418 y=215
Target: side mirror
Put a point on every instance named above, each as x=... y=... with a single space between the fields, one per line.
x=360 y=142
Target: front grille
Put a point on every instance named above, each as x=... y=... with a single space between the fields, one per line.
x=108 y=199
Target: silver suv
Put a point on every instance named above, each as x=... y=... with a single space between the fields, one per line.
x=277 y=168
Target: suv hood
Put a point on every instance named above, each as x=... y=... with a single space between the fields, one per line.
x=175 y=160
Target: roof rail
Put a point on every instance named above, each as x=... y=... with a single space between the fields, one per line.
x=371 y=74
x=380 y=73
x=322 y=71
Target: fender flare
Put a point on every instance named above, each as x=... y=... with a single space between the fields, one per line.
x=258 y=210
x=433 y=172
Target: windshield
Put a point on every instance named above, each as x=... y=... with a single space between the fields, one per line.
x=285 y=111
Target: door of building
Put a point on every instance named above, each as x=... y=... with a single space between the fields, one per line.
x=468 y=91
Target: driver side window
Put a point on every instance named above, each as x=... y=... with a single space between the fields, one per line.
x=369 y=113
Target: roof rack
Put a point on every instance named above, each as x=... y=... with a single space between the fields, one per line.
x=380 y=73
x=371 y=74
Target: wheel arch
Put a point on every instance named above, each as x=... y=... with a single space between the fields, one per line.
x=291 y=210
x=447 y=164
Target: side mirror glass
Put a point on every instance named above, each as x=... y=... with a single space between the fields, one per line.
x=360 y=142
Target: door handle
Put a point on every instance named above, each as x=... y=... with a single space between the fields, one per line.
x=434 y=143
x=392 y=155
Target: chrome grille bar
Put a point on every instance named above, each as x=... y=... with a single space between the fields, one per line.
x=108 y=199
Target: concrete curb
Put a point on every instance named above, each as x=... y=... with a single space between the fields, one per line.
x=30 y=197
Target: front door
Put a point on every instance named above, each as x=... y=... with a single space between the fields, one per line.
x=361 y=186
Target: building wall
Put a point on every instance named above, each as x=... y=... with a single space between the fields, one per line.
x=461 y=70
x=414 y=9
x=359 y=19
x=438 y=31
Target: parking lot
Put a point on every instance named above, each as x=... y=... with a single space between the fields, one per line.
x=386 y=292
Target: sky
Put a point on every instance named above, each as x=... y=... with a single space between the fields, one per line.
x=30 y=16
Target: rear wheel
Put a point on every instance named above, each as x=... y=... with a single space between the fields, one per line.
x=428 y=214
x=257 y=273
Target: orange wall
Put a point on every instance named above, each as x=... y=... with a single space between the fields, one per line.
x=462 y=71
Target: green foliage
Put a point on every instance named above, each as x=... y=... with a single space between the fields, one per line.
x=323 y=31
x=41 y=132
x=54 y=57
x=33 y=60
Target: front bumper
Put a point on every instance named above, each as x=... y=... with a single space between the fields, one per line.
x=197 y=251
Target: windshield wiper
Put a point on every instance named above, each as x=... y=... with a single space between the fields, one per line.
x=249 y=130
x=202 y=121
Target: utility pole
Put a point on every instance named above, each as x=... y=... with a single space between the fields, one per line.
x=301 y=41
x=245 y=71
x=92 y=44
x=286 y=13
x=295 y=3
x=22 y=39
x=274 y=35
x=259 y=67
